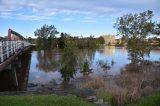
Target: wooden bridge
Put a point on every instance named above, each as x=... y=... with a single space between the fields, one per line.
x=11 y=47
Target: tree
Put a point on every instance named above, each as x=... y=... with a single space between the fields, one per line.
x=68 y=63
x=157 y=29
x=46 y=36
x=61 y=41
x=29 y=39
x=136 y=28
x=100 y=40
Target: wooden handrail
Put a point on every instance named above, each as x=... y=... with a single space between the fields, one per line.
x=8 y=48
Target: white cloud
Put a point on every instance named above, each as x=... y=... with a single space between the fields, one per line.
x=32 y=17
x=40 y=9
x=6 y=15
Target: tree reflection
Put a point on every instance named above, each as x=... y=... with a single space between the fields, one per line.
x=137 y=50
x=85 y=54
x=68 y=61
x=74 y=59
x=48 y=60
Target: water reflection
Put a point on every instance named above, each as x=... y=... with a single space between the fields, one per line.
x=107 y=50
x=45 y=66
x=48 y=60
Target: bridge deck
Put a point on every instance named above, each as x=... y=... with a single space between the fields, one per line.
x=9 y=50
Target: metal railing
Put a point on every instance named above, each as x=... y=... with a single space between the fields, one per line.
x=9 y=48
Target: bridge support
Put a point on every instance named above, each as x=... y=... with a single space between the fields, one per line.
x=14 y=74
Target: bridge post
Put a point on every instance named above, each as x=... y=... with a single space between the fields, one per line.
x=1 y=52
x=7 y=49
x=14 y=47
x=11 y=47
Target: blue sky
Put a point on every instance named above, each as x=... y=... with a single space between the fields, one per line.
x=76 y=17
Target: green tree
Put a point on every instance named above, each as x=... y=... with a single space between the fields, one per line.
x=157 y=29
x=100 y=40
x=46 y=36
x=61 y=41
x=29 y=39
x=68 y=63
x=136 y=28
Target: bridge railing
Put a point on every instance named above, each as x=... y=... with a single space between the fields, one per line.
x=8 y=48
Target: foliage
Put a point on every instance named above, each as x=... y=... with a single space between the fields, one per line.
x=46 y=36
x=42 y=100
x=61 y=40
x=136 y=28
x=137 y=50
x=86 y=68
x=68 y=63
x=100 y=40
x=157 y=29
x=88 y=42
x=46 y=39
x=29 y=39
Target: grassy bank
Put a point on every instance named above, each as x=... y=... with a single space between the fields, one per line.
x=153 y=100
x=42 y=100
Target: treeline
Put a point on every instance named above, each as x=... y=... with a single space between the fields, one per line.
x=80 y=42
x=47 y=39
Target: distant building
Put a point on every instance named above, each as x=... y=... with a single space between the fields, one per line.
x=109 y=39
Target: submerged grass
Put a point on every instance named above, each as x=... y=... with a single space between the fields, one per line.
x=95 y=83
x=42 y=100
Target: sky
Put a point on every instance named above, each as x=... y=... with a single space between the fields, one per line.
x=75 y=17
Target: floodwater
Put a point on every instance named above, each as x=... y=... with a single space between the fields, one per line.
x=35 y=69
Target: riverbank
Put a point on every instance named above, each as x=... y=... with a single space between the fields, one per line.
x=152 y=100
x=54 y=100
x=42 y=100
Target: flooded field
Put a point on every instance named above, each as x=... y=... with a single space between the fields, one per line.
x=38 y=71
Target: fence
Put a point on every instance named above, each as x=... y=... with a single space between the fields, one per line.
x=9 y=48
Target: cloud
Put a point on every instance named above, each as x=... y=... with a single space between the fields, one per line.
x=31 y=17
x=39 y=9
x=6 y=15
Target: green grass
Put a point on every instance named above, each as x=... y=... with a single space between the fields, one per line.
x=42 y=100
x=153 y=100
x=106 y=96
